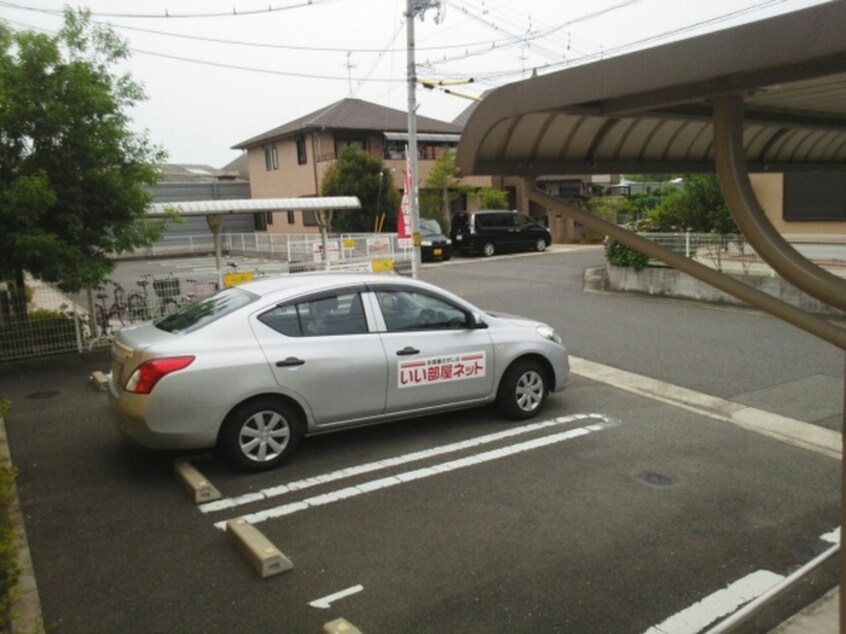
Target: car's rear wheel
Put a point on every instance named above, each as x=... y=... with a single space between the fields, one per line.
x=260 y=434
x=522 y=390
x=488 y=249
x=540 y=245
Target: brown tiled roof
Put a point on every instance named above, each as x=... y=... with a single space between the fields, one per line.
x=352 y=114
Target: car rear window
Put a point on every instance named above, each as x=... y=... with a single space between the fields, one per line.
x=200 y=313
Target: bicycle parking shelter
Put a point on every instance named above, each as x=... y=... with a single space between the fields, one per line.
x=214 y=210
x=768 y=96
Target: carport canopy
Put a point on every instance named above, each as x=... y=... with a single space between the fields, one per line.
x=253 y=205
x=213 y=210
x=768 y=96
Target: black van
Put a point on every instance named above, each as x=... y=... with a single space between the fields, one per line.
x=488 y=232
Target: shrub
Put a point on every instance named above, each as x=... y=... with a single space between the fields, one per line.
x=8 y=555
x=619 y=254
x=44 y=332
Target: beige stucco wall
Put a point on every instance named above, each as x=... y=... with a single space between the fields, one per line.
x=769 y=188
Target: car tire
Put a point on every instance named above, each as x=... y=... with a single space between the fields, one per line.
x=522 y=390
x=488 y=249
x=260 y=435
x=540 y=245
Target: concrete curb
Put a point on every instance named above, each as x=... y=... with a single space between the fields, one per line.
x=25 y=604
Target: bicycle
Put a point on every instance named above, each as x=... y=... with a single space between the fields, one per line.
x=138 y=303
x=106 y=313
x=168 y=289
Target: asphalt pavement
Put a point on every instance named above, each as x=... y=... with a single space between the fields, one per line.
x=632 y=500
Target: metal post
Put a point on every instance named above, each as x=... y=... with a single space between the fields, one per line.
x=412 y=9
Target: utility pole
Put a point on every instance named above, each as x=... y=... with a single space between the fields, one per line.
x=415 y=8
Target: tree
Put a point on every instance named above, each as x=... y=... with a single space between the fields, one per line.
x=72 y=173
x=442 y=187
x=492 y=198
x=358 y=174
x=698 y=206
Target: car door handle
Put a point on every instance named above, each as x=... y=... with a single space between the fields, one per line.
x=289 y=362
x=407 y=351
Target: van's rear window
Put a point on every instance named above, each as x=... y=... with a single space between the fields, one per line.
x=197 y=314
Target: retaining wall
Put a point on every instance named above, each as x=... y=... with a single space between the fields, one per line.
x=667 y=282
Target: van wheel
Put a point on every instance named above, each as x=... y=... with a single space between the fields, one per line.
x=488 y=249
x=540 y=245
x=260 y=434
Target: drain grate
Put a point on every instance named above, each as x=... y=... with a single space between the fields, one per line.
x=809 y=547
x=37 y=396
x=657 y=479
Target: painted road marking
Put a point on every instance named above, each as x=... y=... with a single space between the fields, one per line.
x=788 y=430
x=717 y=605
x=425 y=472
x=725 y=602
x=334 y=476
x=326 y=602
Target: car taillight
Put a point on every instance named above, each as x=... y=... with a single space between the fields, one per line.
x=146 y=375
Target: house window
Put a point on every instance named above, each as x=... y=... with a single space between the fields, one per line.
x=290 y=217
x=302 y=157
x=359 y=144
x=271 y=158
x=814 y=196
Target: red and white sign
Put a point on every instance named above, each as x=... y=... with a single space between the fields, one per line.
x=404 y=239
x=441 y=369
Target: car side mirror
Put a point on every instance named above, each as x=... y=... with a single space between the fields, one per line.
x=476 y=321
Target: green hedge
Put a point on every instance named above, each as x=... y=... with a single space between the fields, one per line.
x=9 y=570
x=44 y=332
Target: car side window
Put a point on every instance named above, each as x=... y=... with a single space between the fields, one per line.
x=413 y=310
x=328 y=315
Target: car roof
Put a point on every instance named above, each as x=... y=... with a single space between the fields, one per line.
x=298 y=283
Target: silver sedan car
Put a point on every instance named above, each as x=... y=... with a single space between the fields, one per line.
x=254 y=368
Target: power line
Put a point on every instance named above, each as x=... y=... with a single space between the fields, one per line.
x=167 y=14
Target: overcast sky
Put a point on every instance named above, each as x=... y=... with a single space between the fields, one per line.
x=218 y=72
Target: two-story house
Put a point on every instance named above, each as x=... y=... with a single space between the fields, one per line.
x=291 y=160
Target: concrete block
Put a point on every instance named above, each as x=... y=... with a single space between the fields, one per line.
x=340 y=626
x=99 y=380
x=260 y=553
x=195 y=484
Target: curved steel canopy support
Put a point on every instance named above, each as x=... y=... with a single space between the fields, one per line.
x=789 y=313
x=733 y=173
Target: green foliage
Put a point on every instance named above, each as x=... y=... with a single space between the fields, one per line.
x=73 y=175
x=358 y=174
x=9 y=570
x=441 y=189
x=44 y=332
x=619 y=254
x=492 y=198
x=697 y=206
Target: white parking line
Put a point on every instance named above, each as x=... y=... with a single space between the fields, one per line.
x=787 y=430
x=417 y=474
x=299 y=485
x=717 y=605
x=726 y=601
x=326 y=602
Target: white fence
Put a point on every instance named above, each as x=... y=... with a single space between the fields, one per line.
x=46 y=321
x=732 y=253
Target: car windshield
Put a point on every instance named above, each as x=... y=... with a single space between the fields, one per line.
x=197 y=314
x=429 y=227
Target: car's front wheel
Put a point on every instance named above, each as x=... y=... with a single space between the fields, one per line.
x=540 y=245
x=260 y=434
x=522 y=390
x=488 y=249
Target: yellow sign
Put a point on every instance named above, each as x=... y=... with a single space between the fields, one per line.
x=239 y=277
x=349 y=243
x=382 y=265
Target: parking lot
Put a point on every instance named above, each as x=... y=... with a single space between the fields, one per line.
x=641 y=490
